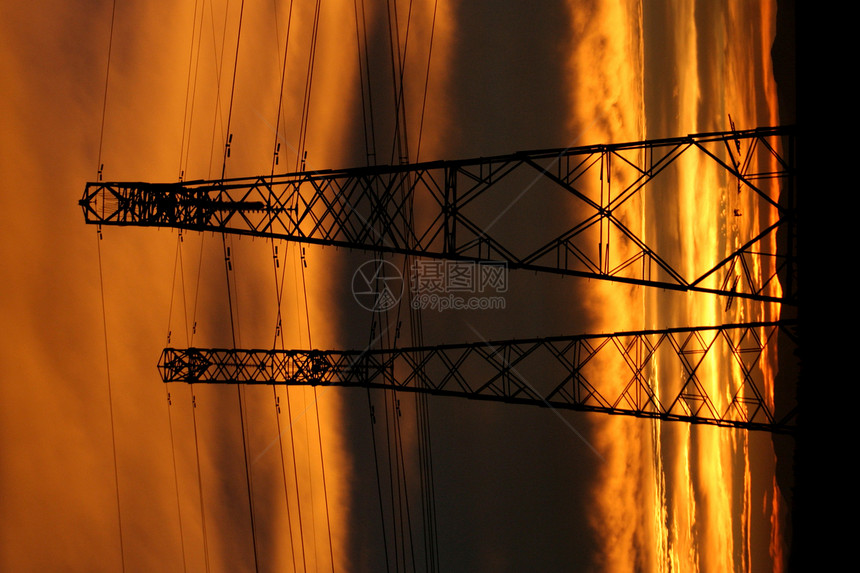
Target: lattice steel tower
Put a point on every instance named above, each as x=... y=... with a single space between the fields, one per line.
x=374 y=209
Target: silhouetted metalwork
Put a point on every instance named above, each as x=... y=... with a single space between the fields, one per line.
x=708 y=375
x=476 y=210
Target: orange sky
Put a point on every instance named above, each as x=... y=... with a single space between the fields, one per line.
x=667 y=498
x=660 y=495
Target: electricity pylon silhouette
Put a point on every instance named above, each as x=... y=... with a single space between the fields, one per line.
x=462 y=206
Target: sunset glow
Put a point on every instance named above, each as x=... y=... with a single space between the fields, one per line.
x=678 y=476
x=106 y=468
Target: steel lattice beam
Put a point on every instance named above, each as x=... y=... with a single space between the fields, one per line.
x=613 y=374
x=460 y=202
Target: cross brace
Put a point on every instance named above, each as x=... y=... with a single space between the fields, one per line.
x=463 y=205
x=612 y=373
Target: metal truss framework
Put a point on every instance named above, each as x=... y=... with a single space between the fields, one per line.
x=371 y=208
x=613 y=374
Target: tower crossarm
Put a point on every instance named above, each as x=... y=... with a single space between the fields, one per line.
x=566 y=211
x=667 y=374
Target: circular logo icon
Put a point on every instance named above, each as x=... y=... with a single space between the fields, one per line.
x=377 y=285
